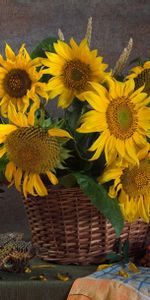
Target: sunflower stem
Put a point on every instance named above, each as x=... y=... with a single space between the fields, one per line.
x=42 y=116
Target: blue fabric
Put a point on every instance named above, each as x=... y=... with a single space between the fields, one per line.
x=140 y=281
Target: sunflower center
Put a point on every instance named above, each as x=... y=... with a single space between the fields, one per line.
x=76 y=75
x=136 y=181
x=16 y=83
x=33 y=150
x=121 y=118
x=143 y=78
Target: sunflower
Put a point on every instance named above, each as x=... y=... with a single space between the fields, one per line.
x=31 y=151
x=72 y=68
x=132 y=186
x=121 y=117
x=19 y=80
x=141 y=76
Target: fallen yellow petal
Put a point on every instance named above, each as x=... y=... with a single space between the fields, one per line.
x=123 y=273
x=103 y=267
x=133 y=268
x=62 y=277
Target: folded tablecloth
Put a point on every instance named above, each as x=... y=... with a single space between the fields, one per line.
x=109 y=285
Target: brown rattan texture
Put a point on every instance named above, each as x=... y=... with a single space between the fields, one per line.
x=69 y=229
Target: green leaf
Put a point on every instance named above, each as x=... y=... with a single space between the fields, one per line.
x=3 y=162
x=120 y=77
x=125 y=251
x=68 y=181
x=73 y=113
x=113 y=257
x=138 y=61
x=46 y=124
x=44 y=45
x=99 y=197
x=72 y=121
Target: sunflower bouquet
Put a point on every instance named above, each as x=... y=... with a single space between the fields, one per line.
x=101 y=141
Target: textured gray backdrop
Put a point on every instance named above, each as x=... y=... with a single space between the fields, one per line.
x=29 y=21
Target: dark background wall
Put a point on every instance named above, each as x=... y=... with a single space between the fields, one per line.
x=29 y=21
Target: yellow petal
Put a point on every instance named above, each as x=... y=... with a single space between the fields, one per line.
x=99 y=144
x=54 y=83
x=65 y=99
x=13 y=115
x=137 y=70
x=53 y=57
x=10 y=171
x=110 y=150
x=103 y=267
x=139 y=139
x=53 y=179
x=39 y=186
x=18 y=177
x=83 y=43
x=75 y=47
x=62 y=277
x=142 y=153
x=25 y=185
x=129 y=87
x=31 y=113
x=144 y=113
x=54 y=69
x=133 y=268
x=2 y=138
x=130 y=150
x=41 y=92
x=139 y=98
x=112 y=88
x=120 y=147
x=9 y=53
x=147 y=65
x=92 y=121
x=123 y=273
x=119 y=87
x=59 y=133
x=23 y=121
x=6 y=129
x=142 y=210
x=30 y=185
x=146 y=203
x=137 y=92
x=2 y=151
x=112 y=192
x=99 y=103
x=110 y=174
x=100 y=89
x=23 y=53
x=57 y=91
x=63 y=50
x=4 y=102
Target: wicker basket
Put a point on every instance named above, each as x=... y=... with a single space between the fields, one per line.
x=69 y=229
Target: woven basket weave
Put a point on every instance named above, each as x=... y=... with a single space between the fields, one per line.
x=69 y=229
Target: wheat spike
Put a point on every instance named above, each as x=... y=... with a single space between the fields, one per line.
x=60 y=35
x=121 y=62
x=88 y=34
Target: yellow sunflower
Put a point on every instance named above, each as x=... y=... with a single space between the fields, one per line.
x=141 y=76
x=121 y=117
x=132 y=187
x=19 y=80
x=31 y=151
x=72 y=68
